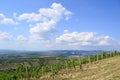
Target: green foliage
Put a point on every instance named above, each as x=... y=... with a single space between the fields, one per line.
x=84 y=60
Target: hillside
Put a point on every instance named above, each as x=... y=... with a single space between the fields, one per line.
x=107 y=69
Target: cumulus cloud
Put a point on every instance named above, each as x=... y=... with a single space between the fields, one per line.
x=5 y=36
x=45 y=19
x=84 y=39
x=75 y=36
x=31 y=17
x=43 y=31
x=55 y=12
x=4 y=20
x=8 y=36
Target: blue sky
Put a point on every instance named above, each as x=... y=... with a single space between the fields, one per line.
x=60 y=24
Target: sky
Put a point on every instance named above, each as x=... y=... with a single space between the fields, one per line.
x=60 y=24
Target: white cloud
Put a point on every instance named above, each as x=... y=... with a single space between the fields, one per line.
x=75 y=36
x=5 y=36
x=4 y=20
x=8 y=36
x=43 y=27
x=31 y=17
x=103 y=42
x=43 y=31
x=55 y=12
x=46 y=20
x=21 y=38
x=84 y=39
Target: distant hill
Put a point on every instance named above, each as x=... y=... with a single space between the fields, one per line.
x=29 y=54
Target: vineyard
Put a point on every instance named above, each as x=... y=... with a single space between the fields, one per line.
x=61 y=70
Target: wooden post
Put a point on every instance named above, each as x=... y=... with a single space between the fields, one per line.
x=111 y=54
x=80 y=62
x=52 y=71
x=89 y=59
x=106 y=55
x=66 y=64
x=97 y=57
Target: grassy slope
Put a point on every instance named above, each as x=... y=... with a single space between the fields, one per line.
x=107 y=69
